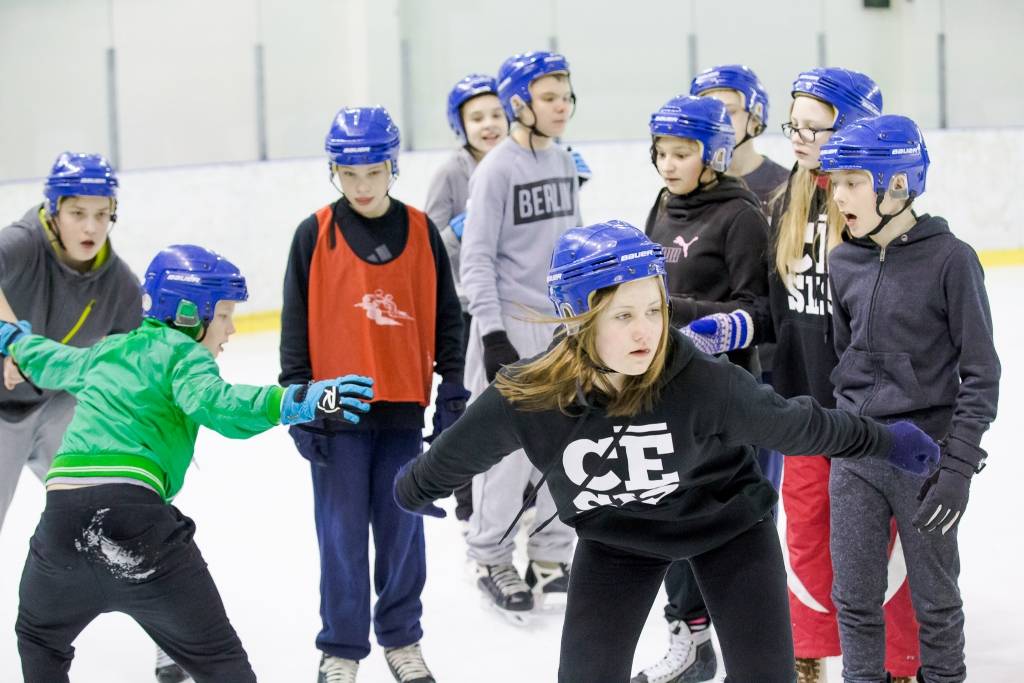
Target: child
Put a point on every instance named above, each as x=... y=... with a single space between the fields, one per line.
x=522 y=197
x=805 y=227
x=371 y=272
x=913 y=333
x=59 y=272
x=643 y=440
x=745 y=98
x=713 y=234
x=478 y=120
x=108 y=539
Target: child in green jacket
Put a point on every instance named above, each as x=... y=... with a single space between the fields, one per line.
x=108 y=539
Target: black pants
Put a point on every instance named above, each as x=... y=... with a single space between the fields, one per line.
x=119 y=548
x=743 y=580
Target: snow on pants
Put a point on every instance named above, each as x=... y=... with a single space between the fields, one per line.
x=865 y=493
x=805 y=504
x=31 y=442
x=498 y=492
x=353 y=473
x=120 y=548
x=612 y=591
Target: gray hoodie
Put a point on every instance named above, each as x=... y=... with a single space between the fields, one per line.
x=913 y=332
x=71 y=307
x=447 y=197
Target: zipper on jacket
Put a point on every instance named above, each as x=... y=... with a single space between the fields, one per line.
x=871 y=312
x=81 y=321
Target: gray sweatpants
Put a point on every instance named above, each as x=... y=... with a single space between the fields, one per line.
x=864 y=493
x=32 y=442
x=498 y=492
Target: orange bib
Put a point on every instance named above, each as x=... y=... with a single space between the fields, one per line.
x=374 y=319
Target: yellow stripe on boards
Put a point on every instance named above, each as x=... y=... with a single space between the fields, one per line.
x=994 y=258
x=270 y=321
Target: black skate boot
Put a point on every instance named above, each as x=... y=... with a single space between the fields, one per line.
x=167 y=671
x=336 y=670
x=549 y=582
x=407 y=665
x=506 y=591
x=690 y=658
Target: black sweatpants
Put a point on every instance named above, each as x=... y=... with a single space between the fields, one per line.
x=120 y=548
x=612 y=590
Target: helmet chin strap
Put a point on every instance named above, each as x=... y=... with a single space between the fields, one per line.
x=879 y=196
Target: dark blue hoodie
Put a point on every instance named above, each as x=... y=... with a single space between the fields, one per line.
x=913 y=332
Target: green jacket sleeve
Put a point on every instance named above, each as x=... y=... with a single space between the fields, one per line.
x=236 y=411
x=50 y=364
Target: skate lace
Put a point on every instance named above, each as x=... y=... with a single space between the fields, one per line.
x=338 y=670
x=507 y=579
x=675 y=660
x=808 y=670
x=407 y=662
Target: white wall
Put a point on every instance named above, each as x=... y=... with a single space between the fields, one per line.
x=249 y=211
x=186 y=70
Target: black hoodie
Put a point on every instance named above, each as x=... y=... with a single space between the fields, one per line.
x=682 y=478
x=714 y=244
x=913 y=332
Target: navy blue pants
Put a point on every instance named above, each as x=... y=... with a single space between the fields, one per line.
x=353 y=473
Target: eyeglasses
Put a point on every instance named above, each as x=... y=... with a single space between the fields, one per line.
x=806 y=134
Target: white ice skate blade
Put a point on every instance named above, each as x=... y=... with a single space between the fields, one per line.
x=519 y=619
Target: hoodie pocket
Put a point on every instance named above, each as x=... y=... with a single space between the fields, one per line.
x=877 y=383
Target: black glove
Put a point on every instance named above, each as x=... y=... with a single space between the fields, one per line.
x=944 y=494
x=449 y=406
x=498 y=351
x=403 y=473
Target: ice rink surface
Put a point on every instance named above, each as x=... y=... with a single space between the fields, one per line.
x=252 y=503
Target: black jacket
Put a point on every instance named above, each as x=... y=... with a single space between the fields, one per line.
x=714 y=253
x=375 y=240
x=682 y=479
x=913 y=332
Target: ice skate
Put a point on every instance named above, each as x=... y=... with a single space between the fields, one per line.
x=505 y=591
x=167 y=671
x=690 y=658
x=407 y=665
x=549 y=582
x=810 y=670
x=337 y=670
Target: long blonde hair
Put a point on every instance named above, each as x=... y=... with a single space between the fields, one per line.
x=572 y=366
x=799 y=191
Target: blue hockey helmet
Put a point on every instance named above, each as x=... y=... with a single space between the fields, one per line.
x=853 y=94
x=184 y=282
x=703 y=119
x=594 y=257
x=462 y=92
x=736 y=77
x=517 y=72
x=363 y=135
x=76 y=175
x=883 y=146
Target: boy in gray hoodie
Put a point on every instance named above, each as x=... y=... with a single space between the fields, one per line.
x=913 y=333
x=522 y=197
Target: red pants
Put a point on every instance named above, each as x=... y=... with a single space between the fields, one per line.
x=809 y=567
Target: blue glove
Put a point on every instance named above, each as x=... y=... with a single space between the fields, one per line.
x=12 y=332
x=404 y=472
x=944 y=494
x=583 y=171
x=326 y=399
x=457 y=224
x=449 y=406
x=721 y=332
x=912 y=450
